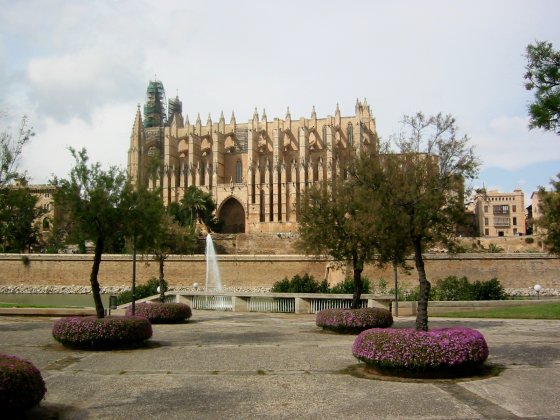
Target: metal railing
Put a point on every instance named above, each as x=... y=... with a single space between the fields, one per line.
x=219 y=303
x=320 y=304
x=270 y=304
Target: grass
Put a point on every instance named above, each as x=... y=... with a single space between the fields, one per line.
x=541 y=311
x=26 y=305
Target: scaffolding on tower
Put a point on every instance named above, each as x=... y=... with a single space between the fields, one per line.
x=155 y=114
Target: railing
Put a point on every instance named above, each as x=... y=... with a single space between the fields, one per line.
x=299 y=303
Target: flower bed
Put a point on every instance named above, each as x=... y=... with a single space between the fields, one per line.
x=411 y=350
x=353 y=320
x=21 y=384
x=162 y=313
x=102 y=333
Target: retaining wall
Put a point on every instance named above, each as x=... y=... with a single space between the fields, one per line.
x=258 y=272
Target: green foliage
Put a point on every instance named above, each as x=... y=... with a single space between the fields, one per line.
x=142 y=291
x=453 y=288
x=550 y=219
x=162 y=313
x=488 y=290
x=529 y=240
x=21 y=386
x=17 y=216
x=91 y=333
x=11 y=148
x=535 y=311
x=300 y=284
x=543 y=76
x=495 y=249
x=196 y=206
x=347 y=286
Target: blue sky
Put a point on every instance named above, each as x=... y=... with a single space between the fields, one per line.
x=79 y=69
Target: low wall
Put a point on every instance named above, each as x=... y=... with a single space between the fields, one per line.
x=260 y=272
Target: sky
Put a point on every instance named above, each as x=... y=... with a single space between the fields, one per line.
x=80 y=68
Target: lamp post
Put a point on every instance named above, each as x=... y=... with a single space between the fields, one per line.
x=133 y=275
x=538 y=289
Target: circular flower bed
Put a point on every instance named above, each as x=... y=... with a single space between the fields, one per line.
x=419 y=351
x=102 y=333
x=162 y=313
x=353 y=320
x=21 y=384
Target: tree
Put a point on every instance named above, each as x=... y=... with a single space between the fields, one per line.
x=420 y=190
x=543 y=75
x=550 y=219
x=18 y=214
x=94 y=200
x=196 y=206
x=334 y=218
x=10 y=151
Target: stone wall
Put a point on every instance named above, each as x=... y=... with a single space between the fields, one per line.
x=257 y=272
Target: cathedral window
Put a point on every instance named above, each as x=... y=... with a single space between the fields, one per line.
x=238 y=172
x=203 y=173
x=350 y=134
x=324 y=134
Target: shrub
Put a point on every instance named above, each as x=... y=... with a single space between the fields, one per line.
x=141 y=291
x=411 y=350
x=488 y=290
x=162 y=313
x=93 y=333
x=353 y=320
x=453 y=288
x=299 y=284
x=21 y=384
x=347 y=286
x=529 y=240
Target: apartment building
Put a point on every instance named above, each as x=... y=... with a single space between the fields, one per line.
x=500 y=214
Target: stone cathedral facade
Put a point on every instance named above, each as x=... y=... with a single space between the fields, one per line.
x=256 y=171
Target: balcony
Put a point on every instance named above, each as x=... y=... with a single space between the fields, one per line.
x=502 y=222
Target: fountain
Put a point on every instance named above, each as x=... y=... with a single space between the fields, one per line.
x=213 y=278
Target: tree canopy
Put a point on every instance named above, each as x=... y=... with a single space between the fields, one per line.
x=11 y=148
x=550 y=219
x=543 y=76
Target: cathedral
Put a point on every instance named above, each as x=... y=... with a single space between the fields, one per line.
x=256 y=171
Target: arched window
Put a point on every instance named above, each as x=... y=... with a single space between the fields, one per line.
x=202 y=173
x=238 y=172
x=350 y=134
x=324 y=134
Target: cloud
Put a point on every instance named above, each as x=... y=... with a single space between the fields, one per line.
x=506 y=142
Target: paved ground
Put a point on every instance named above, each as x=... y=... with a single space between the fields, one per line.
x=235 y=365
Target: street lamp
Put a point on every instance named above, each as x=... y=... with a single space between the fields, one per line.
x=538 y=289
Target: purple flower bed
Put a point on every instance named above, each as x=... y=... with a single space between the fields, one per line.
x=412 y=350
x=162 y=313
x=353 y=320
x=21 y=384
x=102 y=333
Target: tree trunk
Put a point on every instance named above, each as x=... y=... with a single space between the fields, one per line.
x=358 y=266
x=93 y=277
x=161 y=280
x=422 y=313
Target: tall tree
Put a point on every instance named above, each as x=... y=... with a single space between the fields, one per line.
x=421 y=191
x=196 y=206
x=335 y=218
x=10 y=151
x=550 y=219
x=543 y=76
x=94 y=200
x=18 y=214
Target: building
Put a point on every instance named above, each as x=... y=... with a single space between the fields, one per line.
x=256 y=171
x=500 y=214
x=534 y=213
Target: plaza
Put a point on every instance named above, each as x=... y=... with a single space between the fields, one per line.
x=254 y=365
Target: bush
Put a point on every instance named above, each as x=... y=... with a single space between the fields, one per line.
x=488 y=290
x=529 y=240
x=410 y=350
x=21 y=384
x=347 y=286
x=353 y=320
x=298 y=284
x=142 y=291
x=93 y=333
x=453 y=288
x=162 y=313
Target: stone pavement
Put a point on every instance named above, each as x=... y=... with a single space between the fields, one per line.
x=252 y=365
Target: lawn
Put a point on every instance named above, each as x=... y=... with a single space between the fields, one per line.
x=537 y=311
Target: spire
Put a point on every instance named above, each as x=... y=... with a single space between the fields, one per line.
x=222 y=119
x=313 y=113
x=255 y=114
x=198 y=118
x=288 y=116
x=337 y=111
x=187 y=122
x=264 y=115
x=209 y=120
x=232 y=119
